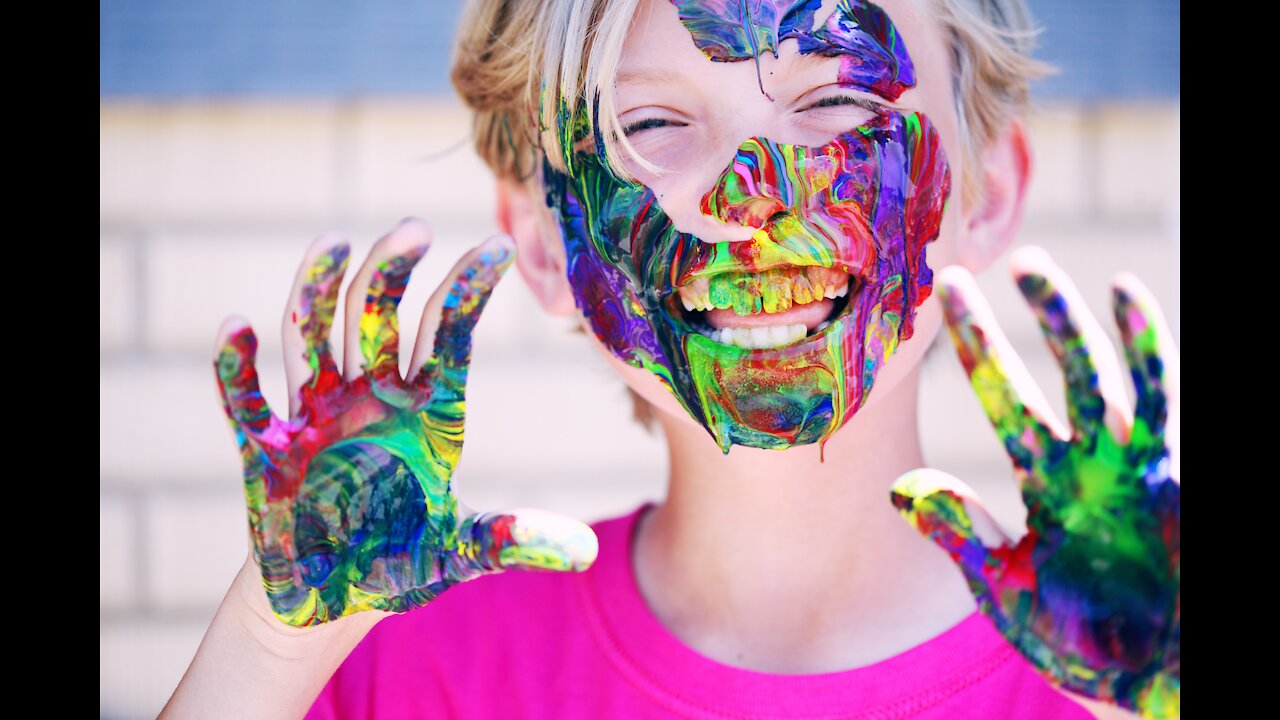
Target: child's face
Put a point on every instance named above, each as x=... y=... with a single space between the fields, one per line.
x=799 y=197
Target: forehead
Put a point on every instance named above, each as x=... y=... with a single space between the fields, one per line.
x=860 y=34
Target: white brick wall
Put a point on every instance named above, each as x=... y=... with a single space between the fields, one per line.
x=161 y=426
x=218 y=162
x=141 y=660
x=414 y=158
x=194 y=280
x=196 y=543
x=1060 y=160
x=119 y=575
x=118 y=300
x=207 y=208
x=1138 y=152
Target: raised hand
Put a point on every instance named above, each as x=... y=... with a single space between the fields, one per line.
x=350 y=502
x=1091 y=594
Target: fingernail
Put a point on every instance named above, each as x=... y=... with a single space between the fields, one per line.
x=497 y=251
x=1032 y=285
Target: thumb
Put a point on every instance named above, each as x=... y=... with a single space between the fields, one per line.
x=947 y=511
x=527 y=539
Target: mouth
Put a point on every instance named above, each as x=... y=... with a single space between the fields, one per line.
x=777 y=308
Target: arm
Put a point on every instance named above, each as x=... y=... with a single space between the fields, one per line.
x=351 y=509
x=250 y=665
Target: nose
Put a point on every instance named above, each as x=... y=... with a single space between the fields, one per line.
x=759 y=184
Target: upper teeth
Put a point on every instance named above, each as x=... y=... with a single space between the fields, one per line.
x=770 y=291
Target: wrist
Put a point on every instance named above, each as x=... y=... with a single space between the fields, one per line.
x=1098 y=708
x=247 y=602
x=251 y=665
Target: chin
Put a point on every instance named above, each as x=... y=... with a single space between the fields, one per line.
x=777 y=398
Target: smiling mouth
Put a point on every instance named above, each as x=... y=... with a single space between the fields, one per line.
x=778 y=308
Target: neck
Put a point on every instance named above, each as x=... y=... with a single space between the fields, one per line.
x=777 y=562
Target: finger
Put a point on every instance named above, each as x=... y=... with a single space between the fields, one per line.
x=1153 y=360
x=527 y=539
x=309 y=366
x=247 y=409
x=944 y=509
x=235 y=364
x=373 y=327
x=451 y=316
x=1091 y=371
x=1012 y=400
x=380 y=327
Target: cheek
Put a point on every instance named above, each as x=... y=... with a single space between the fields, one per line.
x=906 y=359
x=552 y=237
x=679 y=195
x=944 y=250
x=645 y=384
x=928 y=319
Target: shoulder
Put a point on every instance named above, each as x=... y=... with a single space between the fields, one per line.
x=971 y=672
x=1014 y=688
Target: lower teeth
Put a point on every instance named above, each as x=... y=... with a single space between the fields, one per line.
x=772 y=336
x=755 y=338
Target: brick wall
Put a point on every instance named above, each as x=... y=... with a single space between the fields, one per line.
x=206 y=209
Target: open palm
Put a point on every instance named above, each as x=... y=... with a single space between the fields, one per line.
x=1091 y=594
x=350 y=502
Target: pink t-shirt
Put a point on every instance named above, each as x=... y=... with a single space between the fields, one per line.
x=525 y=644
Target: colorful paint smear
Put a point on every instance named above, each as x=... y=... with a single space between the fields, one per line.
x=1092 y=594
x=866 y=203
x=871 y=52
x=350 y=502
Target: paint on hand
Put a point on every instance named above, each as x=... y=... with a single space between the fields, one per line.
x=350 y=502
x=1092 y=593
x=863 y=207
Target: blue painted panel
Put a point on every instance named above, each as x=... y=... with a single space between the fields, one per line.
x=1109 y=48
x=181 y=48
x=275 y=47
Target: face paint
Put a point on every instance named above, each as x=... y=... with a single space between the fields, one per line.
x=860 y=34
x=350 y=506
x=1092 y=593
x=865 y=204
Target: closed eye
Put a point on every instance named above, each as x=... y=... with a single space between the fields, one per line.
x=647 y=124
x=836 y=100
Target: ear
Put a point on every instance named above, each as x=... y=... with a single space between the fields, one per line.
x=993 y=225
x=540 y=258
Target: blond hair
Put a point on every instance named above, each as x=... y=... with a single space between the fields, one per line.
x=515 y=61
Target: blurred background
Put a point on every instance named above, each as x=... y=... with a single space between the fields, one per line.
x=232 y=133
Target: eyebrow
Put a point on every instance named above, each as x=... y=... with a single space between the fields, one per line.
x=658 y=76
x=647 y=75
x=810 y=59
